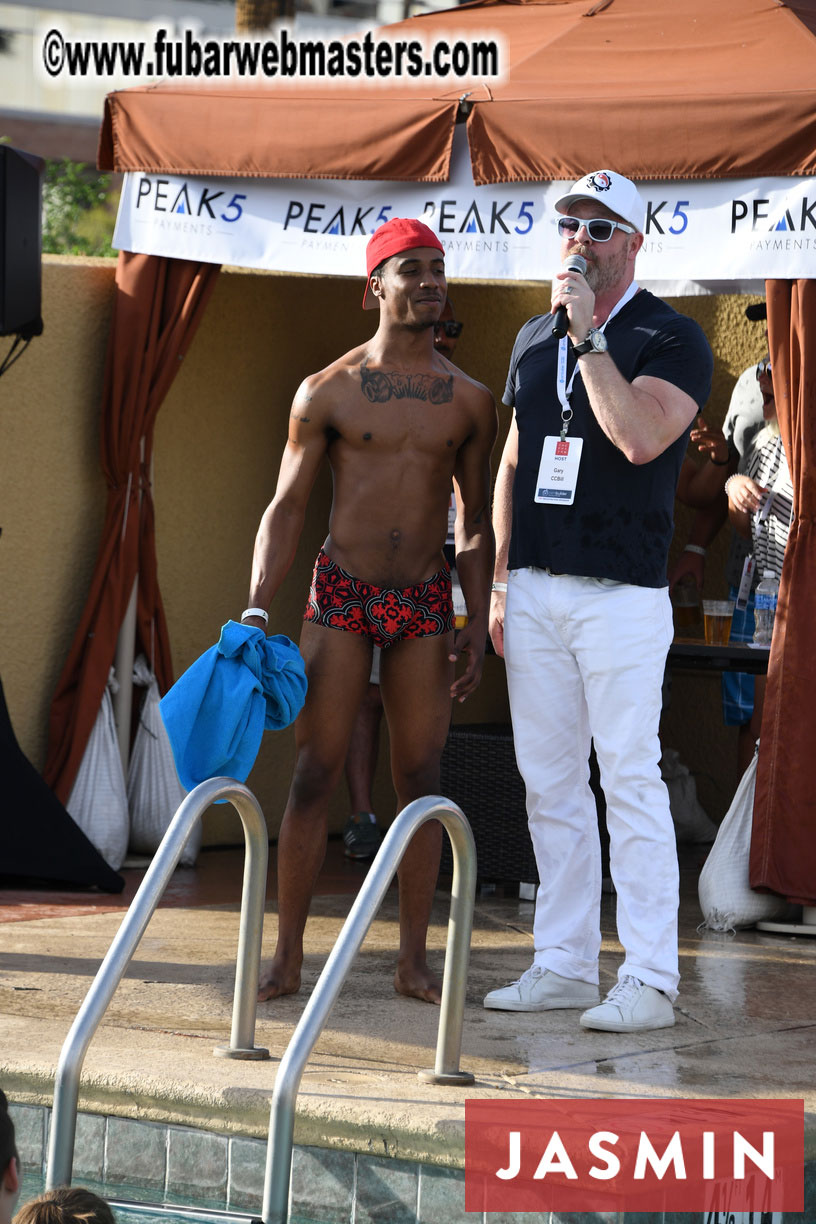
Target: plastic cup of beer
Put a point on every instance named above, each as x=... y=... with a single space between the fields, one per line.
x=686 y=606
x=717 y=615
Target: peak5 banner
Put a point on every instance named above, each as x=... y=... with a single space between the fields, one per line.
x=725 y=233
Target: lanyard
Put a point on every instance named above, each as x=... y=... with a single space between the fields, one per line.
x=762 y=514
x=564 y=390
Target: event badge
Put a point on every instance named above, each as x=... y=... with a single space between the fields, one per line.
x=745 y=583
x=451 y=536
x=561 y=456
x=558 y=471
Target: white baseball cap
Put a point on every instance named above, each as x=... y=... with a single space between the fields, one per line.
x=619 y=194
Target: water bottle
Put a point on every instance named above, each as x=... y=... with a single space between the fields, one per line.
x=765 y=598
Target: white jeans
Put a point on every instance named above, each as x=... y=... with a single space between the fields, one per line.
x=585 y=660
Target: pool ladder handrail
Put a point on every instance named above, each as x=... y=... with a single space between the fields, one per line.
x=126 y=940
x=281 y=1125
x=449 y=1040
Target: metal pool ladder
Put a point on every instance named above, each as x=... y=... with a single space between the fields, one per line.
x=142 y=907
x=380 y=874
x=449 y=1041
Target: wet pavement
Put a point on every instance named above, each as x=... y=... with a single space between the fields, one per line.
x=746 y=1016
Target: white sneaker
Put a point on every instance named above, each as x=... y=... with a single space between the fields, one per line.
x=629 y=1007
x=542 y=990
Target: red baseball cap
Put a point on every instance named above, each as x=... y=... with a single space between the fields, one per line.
x=398 y=234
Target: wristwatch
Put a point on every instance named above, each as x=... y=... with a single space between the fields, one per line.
x=596 y=342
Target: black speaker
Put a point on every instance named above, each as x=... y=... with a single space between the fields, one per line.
x=21 y=180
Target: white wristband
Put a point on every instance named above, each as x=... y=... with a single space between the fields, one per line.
x=256 y=612
x=695 y=548
x=499 y=586
x=728 y=482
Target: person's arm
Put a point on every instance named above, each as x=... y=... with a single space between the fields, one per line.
x=744 y=499
x=701 y=486
x=502 y=525
x=474 y=540
x=641 y=418
x=712 y=440
x=704 y=489
x=705 y=525
x=282 y=522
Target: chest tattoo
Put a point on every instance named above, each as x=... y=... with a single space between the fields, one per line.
x=378 y=386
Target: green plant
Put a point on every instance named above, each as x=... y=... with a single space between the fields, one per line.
x=78 y=210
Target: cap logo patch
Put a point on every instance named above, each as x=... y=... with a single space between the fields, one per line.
x=599 y=181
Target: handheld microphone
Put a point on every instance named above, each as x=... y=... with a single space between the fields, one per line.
x=573 y=263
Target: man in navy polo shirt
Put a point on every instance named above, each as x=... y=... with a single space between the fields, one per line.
x=583 y=520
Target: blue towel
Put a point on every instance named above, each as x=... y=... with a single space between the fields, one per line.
x=215 y=714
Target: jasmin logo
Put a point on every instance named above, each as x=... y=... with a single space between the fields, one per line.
x=606 y=1147
x=651 y=1155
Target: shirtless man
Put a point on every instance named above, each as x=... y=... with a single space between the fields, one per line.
x=397 y=422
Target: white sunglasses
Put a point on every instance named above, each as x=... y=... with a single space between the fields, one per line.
x=598 y=228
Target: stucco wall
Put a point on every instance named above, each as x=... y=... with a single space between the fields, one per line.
x=219 y=437
x=52 y=492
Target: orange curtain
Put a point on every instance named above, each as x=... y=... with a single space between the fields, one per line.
x=783 y=846
x=159 y=304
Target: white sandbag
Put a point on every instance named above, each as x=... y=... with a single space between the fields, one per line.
x=98 y=800
x=153 y=788
x=726 y=898
x=691 y=823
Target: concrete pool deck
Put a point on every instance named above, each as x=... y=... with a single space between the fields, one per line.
x=746 y=1017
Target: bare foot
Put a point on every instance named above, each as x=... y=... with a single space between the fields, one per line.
x=418 y=983
x=276 y=980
